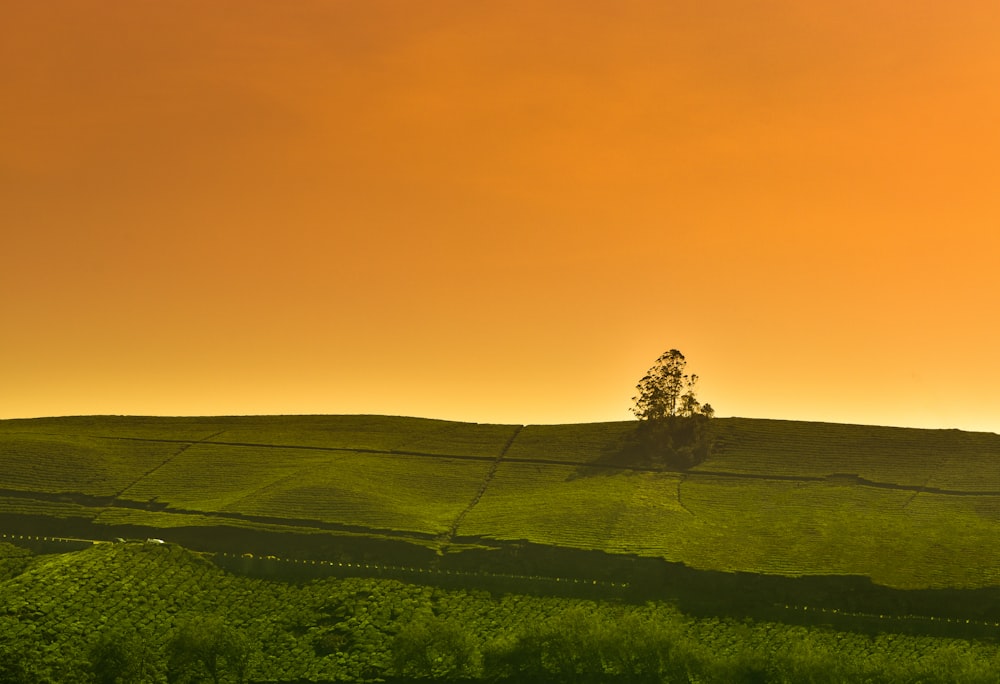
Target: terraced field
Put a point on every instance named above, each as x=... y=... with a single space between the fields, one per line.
x=584 y=443
x=54 y=509
x=389 y=492
x=908 y=508
x=73 y=463
x=896 y=538
x=372 y=433
x=394 y=473
x=383 y=490
x=942 y=459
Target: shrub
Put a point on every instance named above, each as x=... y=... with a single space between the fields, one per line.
x=436 y=649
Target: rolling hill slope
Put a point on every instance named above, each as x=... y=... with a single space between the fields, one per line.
x=907 y=508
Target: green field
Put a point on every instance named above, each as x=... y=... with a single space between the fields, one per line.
x=53 y=462
x=583 y=443
x=940 y=459
x=908 y=508
x=56 y=609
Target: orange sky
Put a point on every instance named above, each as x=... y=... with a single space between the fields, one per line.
x=503 y=211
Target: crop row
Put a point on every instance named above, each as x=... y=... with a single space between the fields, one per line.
x=571 y=443
x=937 y=458
x=75 y=464
x=630 y=513
x=378 y=433
x=376 y=490
x=210 y=476
x=395 y=492
x=897 y=538
x=128 y=427
x=543 y=503
x=52 y=509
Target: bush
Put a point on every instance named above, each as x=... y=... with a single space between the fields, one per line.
x=122 y=658
x=207 y=648
x=436 y=649
x=677 y=443
x=14 y=666
x=578 y=647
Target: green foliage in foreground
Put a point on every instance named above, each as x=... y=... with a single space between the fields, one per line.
x=149 y=613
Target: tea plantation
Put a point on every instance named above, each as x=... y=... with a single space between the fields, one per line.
x=908 y=508
x=149 y=605
x=786 y=523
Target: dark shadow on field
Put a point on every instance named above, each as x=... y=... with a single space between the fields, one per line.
x=672 y=445
x=622 y=454
x=521 y=567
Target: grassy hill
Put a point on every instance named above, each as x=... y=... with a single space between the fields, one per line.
x=56 y=609
x=908 y=508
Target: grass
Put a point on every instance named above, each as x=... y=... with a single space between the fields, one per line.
x=908 y=508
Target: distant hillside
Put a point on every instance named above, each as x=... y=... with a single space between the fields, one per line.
x=908 y=508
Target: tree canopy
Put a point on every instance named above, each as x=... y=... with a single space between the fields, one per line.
x=667 y=391
x=672 y=422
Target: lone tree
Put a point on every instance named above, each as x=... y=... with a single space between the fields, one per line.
x=666 y=391
x=672 y=422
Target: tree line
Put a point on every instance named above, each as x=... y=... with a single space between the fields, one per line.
x=578 y=646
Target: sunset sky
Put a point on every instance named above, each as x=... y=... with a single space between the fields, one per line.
x=500 y=211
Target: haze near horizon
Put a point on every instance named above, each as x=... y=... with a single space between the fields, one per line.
x=500 y=212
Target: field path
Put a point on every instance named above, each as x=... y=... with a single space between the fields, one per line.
x=847 y=478
x=307 y=447
x=843 y=478
x=395 y=452
x=186 y=445
x=448 y=536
